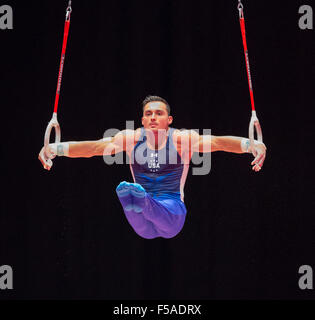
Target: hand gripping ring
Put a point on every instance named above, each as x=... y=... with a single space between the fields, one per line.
x=53 y=123
x=254 y=124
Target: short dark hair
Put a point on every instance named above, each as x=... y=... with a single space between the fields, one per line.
x=156 y=98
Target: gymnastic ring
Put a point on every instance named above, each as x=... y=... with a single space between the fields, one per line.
x=53 y=123
x=254 y=125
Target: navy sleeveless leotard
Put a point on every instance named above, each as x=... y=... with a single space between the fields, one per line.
x=154 y=205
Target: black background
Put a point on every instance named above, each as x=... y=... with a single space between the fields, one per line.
x=246 y=234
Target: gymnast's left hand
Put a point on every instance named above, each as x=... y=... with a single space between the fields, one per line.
x=259 y=153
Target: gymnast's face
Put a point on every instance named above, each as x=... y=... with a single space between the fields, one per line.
x=155 y=116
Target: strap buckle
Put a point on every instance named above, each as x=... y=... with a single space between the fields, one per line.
x=240 y=8
x=68 y=11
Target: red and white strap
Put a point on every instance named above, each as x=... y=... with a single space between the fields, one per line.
x=53 y=123
x=254 y=122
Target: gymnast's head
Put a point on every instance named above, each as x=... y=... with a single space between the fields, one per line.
x=156 y=113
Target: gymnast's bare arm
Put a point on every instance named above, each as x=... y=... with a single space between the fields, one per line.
x=122 y=141
x=106 y=146
x=191 y=141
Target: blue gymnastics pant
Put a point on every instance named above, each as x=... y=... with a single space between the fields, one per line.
x=151 y=217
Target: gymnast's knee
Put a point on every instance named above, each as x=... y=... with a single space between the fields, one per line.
x=172 y=233
x=161 y=234
x=146 y=235
x=154 y=232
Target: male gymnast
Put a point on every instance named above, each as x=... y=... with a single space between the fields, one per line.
x=160 y=155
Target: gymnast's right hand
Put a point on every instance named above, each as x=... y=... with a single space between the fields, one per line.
x=45 y=156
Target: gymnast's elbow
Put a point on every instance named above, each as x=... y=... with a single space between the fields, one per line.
x=215 y=144
x=105 y=148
